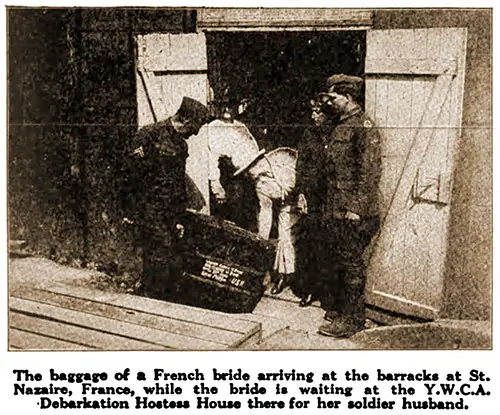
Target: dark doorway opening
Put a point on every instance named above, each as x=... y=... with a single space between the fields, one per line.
x=278 y=73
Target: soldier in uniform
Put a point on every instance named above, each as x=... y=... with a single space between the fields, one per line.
x=349 y=214
x=155 y=191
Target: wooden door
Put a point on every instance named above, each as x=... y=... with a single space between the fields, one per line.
x=169 y=67
x=414 y=93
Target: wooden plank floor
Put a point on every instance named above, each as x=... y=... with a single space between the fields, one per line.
x=70 y=317
x=50 y=309
x=41 y=290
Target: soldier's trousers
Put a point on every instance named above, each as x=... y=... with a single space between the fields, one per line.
x=330 y=263
x=161 y=264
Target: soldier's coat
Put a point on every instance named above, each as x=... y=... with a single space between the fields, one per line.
x=156 y=169
x=352 y=166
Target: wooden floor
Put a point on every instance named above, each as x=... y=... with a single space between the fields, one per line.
x=53 y=307
x=77 y=318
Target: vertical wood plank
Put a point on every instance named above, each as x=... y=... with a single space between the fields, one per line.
x=434 y=43
x=377 y=100
x=153 y=92
x=399 y=117
x=454 y=43
x=397 y=142
x=377 y=39
x=382 y=98
x=426 y=253
x=423 y=222
x=371 y=97
x=457 y=40
x=418 y=47
x=424 y=225
x=389 y=180
x=414 y=287
x=401 y=44
x=144 y=112
x=421 y=92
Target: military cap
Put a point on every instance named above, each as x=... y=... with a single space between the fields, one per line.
x=341 y=83
x=194 y=110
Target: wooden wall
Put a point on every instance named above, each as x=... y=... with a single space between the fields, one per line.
x=73 y=103
x=44 y=199
x=469 y=258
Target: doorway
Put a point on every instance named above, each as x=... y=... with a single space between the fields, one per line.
x=277 y=73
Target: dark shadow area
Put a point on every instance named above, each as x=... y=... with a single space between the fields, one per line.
x=278 y=73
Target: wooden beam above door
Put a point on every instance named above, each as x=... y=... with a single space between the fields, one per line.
x=277 y=18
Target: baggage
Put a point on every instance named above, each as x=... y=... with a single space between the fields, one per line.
x=223 y=266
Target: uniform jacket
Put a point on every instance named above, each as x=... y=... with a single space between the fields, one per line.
x=155 y=168
x=310 y=175
x=352 y=166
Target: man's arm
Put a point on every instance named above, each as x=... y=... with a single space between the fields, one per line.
x=132 y=175
x=308 y=163
x=370 y=169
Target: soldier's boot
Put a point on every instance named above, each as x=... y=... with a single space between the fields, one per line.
x=282 y=282
x=306 y=300
x=331 y=315
x=332 y=299
x=352 y=318
x=343 y=326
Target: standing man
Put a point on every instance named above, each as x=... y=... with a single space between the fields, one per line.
x=349 y=214
x=155 y=191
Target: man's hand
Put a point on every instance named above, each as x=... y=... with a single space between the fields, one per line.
x=302 y=204
x=354 y=217
x=75 y=170
x=219 y=192
x=220 y=198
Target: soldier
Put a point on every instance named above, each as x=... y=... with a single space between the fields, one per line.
x=349 y=214
x=155 y=190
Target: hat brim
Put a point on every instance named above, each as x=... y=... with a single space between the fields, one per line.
x=326 y=94
x=247 y=166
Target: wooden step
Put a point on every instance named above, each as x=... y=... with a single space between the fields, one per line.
x=20 y=339
x=96 y=319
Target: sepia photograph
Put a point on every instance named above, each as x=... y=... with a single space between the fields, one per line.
x=208 y=178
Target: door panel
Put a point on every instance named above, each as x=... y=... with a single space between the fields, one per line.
x=159 y=52
x=414 y=92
